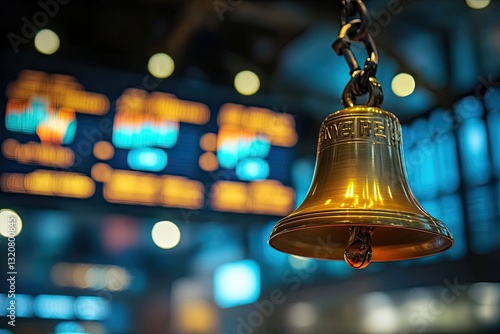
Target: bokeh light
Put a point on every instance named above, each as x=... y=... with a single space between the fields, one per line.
x=161 y=65
x=104 y=150
x=246 y=83
x=101 y=172
x=46 y=41
x=196 y=316
x=208 y=162
x=166 y=234
x=237 y=283
x=380 y=314
x=301 y=315
x=10 y=223
x=90 y=276
x=477 y=4
x=403 y=84
x=208 y=142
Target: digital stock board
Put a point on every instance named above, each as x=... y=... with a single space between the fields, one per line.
x=145 y=147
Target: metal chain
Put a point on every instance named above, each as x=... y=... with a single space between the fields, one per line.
x=356 y=30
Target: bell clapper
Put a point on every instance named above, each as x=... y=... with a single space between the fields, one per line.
x=358 y=253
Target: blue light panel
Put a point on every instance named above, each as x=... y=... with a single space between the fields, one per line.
x=27 y=120
x=54 y=307
x=69 y=327
x=24 y=306
x=423 y=180
x=494 y=130
x=463 y=51
x=92 y=308
x=231 y=152
x=469 y=107
x=302 y=174
x=227 y=155
x=144 y=134
x=448 y=175
x=147 y=159
x=474 y=152
x=259 y=147
x=36 y=113
x=484 y=229
x=492 y=99
x=252 y=169
x=453 y=217
x=237 y=283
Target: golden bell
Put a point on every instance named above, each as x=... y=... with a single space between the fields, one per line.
x=360 y=198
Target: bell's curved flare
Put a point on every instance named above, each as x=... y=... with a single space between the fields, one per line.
x=360 y=180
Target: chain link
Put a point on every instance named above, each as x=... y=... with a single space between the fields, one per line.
x=356 y=30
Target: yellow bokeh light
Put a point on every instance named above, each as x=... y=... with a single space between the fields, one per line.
x=104 y=150
x=246 y=83
x=79 y=272
x=101 y=172
x=46 y=41
x=161 y=65
x=209 y=142
x=477 y=4
x=403 y=84
x=196 y=316
x=93 y=276
x=10 y=223
x=38 y=153
x=48 y=183
x=208 y=162
x=166 y=234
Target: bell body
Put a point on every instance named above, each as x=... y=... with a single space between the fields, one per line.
x=360 y=180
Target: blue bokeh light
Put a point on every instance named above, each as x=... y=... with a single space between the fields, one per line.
x=69 y=327
x=54 y=307
x=147 y=159
x=237 y=283
x=144 y=134
x=92 y=308
x=252 y=169
x=473 y=144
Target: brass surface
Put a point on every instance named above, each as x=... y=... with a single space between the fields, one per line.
x=360 y=180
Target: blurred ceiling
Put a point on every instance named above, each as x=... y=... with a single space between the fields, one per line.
x=448 y=47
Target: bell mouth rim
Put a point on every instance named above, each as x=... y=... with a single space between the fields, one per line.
x=436 y=226
x=435 y=236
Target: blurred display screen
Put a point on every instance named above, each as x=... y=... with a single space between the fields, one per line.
x=144 y=148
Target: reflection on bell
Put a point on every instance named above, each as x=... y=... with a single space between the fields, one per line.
x=360 y=207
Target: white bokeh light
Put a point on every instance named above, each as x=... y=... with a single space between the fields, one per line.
x=10 y=223
x=403 y=84
x=161 y=65
x=46 y=41
x=477 y=4
x=166 y=234
x=246 y=83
